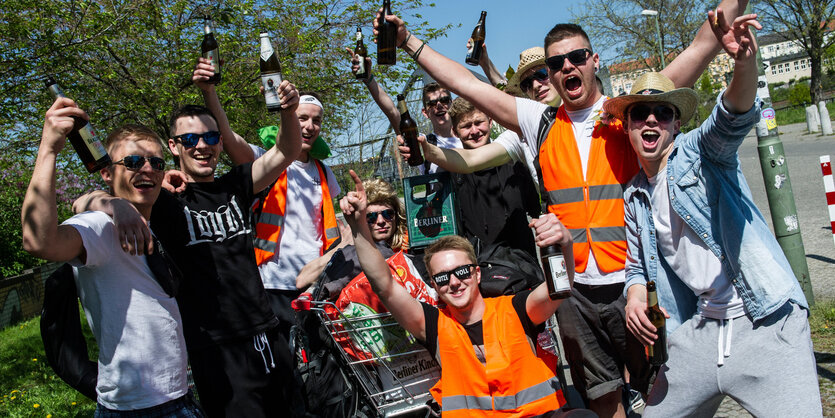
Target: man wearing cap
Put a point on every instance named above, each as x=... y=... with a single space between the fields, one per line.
x=296 y=222
x=584 y=162
x=737 y=316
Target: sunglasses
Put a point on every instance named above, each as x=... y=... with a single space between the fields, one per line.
x=371 y=217
x=539 y=75
x=461 y=272
x=443 y=99
x=663 y=113
x=136 y=162
x=190 y=140
x=577 y=57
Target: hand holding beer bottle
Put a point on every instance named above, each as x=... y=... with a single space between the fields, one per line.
x=646 y=319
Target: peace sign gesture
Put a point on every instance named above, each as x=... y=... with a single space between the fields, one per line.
x=736 y=38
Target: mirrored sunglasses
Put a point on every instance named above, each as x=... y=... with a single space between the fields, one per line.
x=371 y=217
x=539 y=75
x=190 y=140
x=576 y=57
x=443 y=99
x=461 y=272
x=663 y=113
x=136 y=162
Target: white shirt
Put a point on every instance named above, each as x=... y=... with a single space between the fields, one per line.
x=690 y=258
x=142 y=353
x=446 y=142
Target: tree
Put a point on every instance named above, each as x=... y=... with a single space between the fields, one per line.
x=806 y=22
x=131 y=61
x=618 y=24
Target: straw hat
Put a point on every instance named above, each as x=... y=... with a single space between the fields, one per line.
x=528 y=59
x=654 y=87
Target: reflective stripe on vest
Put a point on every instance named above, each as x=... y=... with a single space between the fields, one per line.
x=514 y=381
x=271 y=220
x=591 y=207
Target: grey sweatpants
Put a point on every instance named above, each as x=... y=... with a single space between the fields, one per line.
x=768 y=369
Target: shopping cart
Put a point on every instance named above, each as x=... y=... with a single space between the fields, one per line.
x=390 y=374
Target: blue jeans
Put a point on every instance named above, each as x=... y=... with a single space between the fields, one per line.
x=183 y=407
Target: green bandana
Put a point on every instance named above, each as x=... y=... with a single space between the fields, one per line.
x=320 y=149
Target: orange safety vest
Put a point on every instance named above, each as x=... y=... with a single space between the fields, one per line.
x=591 y=208
x=513 y=383
x=268 y=228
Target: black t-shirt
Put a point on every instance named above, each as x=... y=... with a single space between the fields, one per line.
x=476 y=331
x=207 y=230
x=494 y=204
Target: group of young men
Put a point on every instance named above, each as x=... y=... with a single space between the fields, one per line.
x=629 y=199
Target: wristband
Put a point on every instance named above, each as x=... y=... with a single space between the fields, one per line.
x=408 y=36
x=417 y=53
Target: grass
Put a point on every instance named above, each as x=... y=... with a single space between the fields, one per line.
x=797 y=114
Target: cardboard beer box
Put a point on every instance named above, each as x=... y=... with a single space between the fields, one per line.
x=430 y=208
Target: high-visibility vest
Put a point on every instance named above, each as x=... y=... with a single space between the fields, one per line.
x=591 y=207
x=268 y=228
x=513 y=383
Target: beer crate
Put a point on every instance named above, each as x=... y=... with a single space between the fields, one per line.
x=430 y=208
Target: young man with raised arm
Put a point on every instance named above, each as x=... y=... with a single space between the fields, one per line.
x=583 y=164
x=240 y=362
x=489 y=365
x=737 y=323
x=136 y=322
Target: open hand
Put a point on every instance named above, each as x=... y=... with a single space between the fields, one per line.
x=736 y=39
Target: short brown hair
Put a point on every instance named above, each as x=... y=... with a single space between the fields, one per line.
x=447 y=243
x=460 y=108
x=431 y=88
x=132 y=131
x=563 y=31
x=379 y=192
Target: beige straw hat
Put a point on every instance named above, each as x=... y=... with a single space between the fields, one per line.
x=654 y=87
x=528 y=59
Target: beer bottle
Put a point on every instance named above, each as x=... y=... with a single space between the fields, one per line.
x=210 y=50
x=82 y=137
x=408 y=128
x=657 y=353
x=387 y=38
x=270 y=73
x=476 y=48
x=365 y=66
x=556 y=274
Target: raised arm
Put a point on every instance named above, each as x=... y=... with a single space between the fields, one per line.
x=689 y=65
x=549 y=231
x=42 y=236
x=380 y=97
x=456 y=78
x=739 y=43
x=461 y=160
x=405 y=309
x=266 y=169
x=234 y=144
x=311 y=271
x=490 y=71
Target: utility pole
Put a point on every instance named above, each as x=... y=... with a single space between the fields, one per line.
x=778 y=187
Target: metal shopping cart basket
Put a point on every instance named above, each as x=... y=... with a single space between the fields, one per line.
x=387 y=373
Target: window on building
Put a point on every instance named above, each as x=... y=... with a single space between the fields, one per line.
x=797 y=65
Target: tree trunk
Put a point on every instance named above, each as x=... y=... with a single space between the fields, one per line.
x=815 y=87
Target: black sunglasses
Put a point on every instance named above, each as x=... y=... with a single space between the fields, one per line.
x=539 y=75
x=190 y=140
x=443 y=99
x=461 y=272
x=371 y=217
x=577 y=57
x=663 y=113
x=136 y=162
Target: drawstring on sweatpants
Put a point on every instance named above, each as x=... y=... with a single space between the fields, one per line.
x=726 y=350
x=260 y=342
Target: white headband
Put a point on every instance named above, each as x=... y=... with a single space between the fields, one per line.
x=311 y=100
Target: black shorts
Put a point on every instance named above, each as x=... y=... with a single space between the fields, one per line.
x=234 y=378
x=597 y=344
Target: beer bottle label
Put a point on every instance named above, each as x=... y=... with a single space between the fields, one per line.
x=361 y=70
x=212 y=56
x=266 y=51
x=271 y=82
x=470 y=50
x=559 y=274
x=92 y=141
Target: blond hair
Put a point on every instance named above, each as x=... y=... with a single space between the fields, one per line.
x=379 y=192
x=447 y=243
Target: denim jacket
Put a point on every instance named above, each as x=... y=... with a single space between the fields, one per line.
x=707 y=189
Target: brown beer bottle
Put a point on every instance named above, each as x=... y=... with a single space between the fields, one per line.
x=657 y=353
x=270 y=73
x=365 y=67
x=556 y=274
x=82 y=137
x=408 y=128
x=386 y=38
x=210 y=50
x=476 y=48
